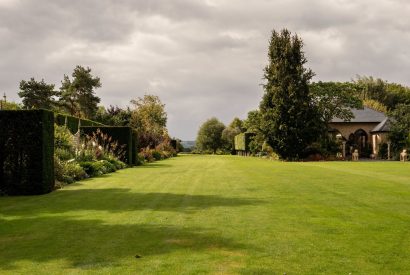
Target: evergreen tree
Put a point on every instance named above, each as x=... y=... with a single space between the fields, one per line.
x=288 y=119
x=78 y=95
x=37 y=94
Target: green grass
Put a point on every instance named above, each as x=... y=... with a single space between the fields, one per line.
x=218 y=215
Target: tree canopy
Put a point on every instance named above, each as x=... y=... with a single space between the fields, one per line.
x=335 y=99
x=210 y=135
x=149 y=119
x=37 y=94
x=78 y=94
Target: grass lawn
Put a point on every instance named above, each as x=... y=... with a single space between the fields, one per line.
x=218 y=215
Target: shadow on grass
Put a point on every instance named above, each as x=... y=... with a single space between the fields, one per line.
x=121 y=199
x=92 y=244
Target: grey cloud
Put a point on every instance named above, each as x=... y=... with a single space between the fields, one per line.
x=203 y=58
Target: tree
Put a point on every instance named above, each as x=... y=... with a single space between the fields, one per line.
x=78 y=95
x=400 y=127
x=388 y=94
x=210 y=135
x=229 y=133
x=252 y=124
x=375 y=105
x=37 y=94
x=149 y=119
x=335 y=100
x=288 y=119
x=113 y=115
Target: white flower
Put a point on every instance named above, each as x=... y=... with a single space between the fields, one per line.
x=100 y=147
x=94 y=144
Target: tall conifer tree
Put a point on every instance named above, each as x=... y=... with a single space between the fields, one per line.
x=288 y=119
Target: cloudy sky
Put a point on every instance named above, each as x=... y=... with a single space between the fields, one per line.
x=203 y=58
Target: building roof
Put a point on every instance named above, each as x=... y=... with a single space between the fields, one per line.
x=383 y=126
x=363 y=115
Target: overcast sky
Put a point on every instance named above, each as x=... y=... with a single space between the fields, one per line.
x=202 y=58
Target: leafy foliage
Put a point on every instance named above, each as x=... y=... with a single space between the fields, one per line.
x=210 y=135
x=113 y=116
x=400 y=128
x=388 y=94
x=149 y=120
x=229 y=133
x=335 y=100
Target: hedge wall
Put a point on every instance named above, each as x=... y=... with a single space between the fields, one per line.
x=135 y=147
x=26 y=152
x=122 y=134
x=174 y=144
x=72 y=122
x=242 y=141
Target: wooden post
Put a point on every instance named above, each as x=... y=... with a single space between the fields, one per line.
x=388 y=150
x=344 y=149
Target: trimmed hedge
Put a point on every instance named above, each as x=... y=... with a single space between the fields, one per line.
x=122 y=134
x=72 y=122
x=242 y=141
x=26 y=152
x=174 y=144
x=135 y=148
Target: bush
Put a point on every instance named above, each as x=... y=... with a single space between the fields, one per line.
x=109 y=167
x=63 y=154
x=63 y=139
x=156 y=155
x=92 y=168
x=68 y=172
x=122 y=136
x=117 y=163
x=146 y=154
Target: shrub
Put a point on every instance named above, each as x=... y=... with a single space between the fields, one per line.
x=98 y=168
x=63 y=139
x=146 y=154
x=156 y=155
x=109 y=167
x=117 y=163
x=91 y=168
x=107 y=136
x=68 y=172
x=63 y=154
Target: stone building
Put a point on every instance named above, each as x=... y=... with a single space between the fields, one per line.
x=366 y=131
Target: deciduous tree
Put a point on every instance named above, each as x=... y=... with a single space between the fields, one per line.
x=149 y=119
x=210 y=135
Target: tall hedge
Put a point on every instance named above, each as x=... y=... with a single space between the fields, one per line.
x=122 y=134
x=242 y=141
x=135 y=147
x=26 y=152
x=72 y=122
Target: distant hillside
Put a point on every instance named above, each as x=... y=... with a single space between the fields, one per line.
x=188 y=144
